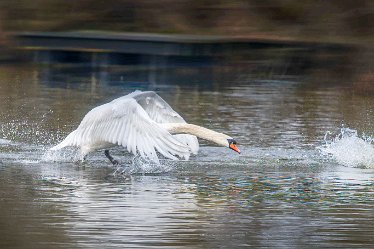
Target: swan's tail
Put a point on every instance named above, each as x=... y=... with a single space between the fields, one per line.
x=70 y=140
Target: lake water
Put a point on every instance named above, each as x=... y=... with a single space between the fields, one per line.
x=292 y=186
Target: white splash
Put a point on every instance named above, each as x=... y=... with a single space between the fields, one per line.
x=64 y=155
x=4 y=141
x=140 y=165
x=349 y=149
x=136 y=165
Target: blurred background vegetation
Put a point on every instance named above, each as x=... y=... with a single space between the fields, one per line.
x=343 y=21
x=326 y=21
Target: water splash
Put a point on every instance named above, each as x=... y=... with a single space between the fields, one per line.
x=68 y=154
x=4 y=141
x=136 y=165
x=139 y=165
x=32 y=130
x=348 y=148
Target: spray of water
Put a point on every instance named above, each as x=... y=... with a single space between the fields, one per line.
x=139 y=165
x=136 y=165
x=348 y=148
x=28 y=130
x=4 y=141
x=68 y=154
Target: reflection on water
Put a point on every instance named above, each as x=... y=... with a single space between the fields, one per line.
x=280 y=192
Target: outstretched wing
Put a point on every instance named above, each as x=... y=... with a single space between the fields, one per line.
x=161 y=112
x=124 y=122
x=156 y=107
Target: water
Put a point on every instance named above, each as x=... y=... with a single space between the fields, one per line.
x=291 y=187
x=349 y=149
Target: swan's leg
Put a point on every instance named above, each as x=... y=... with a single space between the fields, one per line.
x=111 y=159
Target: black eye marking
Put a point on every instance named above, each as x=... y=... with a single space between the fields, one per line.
x=231 y=141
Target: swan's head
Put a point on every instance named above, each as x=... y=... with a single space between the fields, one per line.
x=232 y=145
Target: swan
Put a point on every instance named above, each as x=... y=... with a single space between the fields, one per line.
x=143 y=123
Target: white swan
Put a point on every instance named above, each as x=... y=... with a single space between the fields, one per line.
x=143 y=123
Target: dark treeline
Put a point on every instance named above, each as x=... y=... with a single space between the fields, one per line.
x=333 y=20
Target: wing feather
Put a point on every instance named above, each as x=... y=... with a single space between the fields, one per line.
x=140 y=134
x=161 y=112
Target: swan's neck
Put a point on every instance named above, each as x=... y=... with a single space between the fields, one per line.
x=198 y=131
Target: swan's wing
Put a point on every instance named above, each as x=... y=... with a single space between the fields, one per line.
x=161 y=112
x=188 y=140
x=124 y=122
x=156 y=107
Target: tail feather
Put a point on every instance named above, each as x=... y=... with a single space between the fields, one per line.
x=70 y=140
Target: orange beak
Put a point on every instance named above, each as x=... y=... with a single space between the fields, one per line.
x=233 y=147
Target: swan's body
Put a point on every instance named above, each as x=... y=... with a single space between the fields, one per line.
x=143 y=123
